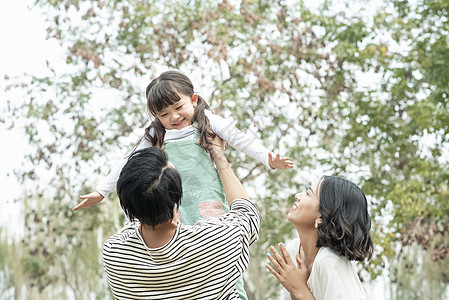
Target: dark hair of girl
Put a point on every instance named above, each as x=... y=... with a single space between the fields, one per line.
x=165 y=91
x=346 y=223
x=148 y=189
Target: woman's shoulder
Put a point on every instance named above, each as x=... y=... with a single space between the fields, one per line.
x=330 y=264
x=329 y=258
x=333 y=276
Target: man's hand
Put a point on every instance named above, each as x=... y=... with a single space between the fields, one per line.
x=89 y=200
x=278 y=162
x=217 y=148
x=233 y=188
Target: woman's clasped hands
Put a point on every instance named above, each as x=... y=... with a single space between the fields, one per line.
x=292 y=277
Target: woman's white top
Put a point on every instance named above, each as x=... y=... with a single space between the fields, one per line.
x=224 y=128
x=333 y=277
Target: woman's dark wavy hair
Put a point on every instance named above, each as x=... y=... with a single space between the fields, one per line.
x=149 y=190
x=165 y=91
x=346 y=222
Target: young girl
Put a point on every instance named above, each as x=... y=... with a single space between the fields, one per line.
x=333 y=224
x=181 y=127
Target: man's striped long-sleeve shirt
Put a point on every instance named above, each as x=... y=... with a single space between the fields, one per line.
x=202 y=261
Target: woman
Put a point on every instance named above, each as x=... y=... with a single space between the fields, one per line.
x=333 y=224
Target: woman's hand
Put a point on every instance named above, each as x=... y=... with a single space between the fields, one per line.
x=278 y=162
x=293 y=278
x=89 y=200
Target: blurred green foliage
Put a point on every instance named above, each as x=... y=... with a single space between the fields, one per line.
x=340 y=89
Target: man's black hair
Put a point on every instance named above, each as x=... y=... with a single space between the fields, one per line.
x=148 y=189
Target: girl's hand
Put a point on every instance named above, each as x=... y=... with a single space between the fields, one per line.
x=293 y=278
x=278 y=162
x=89 y=200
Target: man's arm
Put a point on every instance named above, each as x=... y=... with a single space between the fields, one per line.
x=242 y=216
x=233 y=188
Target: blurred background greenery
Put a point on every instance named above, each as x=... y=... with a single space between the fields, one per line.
x=358 y=89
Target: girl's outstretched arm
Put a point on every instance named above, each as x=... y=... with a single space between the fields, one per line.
x=226 y=129
x=108 y=184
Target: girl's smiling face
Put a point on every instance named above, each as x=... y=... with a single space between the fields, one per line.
x=304 y=211
x=180 y=114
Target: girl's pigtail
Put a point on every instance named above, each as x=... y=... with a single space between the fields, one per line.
x=206 y=135
x=157 y=138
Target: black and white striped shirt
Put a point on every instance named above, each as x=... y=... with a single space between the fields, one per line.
x=202 y=261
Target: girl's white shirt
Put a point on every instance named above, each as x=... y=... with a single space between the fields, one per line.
x=224 y=128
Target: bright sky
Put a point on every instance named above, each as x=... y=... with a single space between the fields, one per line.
x=24 y=50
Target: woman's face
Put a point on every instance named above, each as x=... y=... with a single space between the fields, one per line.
x=304 y=211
